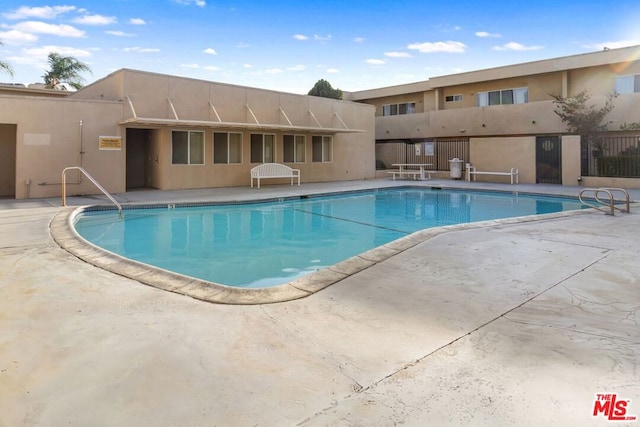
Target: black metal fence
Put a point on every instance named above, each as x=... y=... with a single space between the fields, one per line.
x=438 y=152
x=611 y=156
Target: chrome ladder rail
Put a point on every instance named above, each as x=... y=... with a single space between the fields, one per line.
x=96 y=183
x=610 y=204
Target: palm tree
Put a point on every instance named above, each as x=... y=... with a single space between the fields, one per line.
x=4 y=66
x=64 y=69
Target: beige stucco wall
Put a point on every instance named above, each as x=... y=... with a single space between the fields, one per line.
x=49 y=138
x=570 y=156
x=502 y=154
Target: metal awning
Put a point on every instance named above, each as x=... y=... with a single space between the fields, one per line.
x=147 y=121
x=219 y=124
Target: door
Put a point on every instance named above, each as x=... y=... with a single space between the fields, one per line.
x=137 y=153
x=548 y=160
x=8 y=160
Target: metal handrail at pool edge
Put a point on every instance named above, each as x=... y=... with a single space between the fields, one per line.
x=96 y=183
x=610 y=204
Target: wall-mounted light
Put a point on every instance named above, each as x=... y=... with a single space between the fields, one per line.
x=463 y=130
x=533 y=122
x=484 y=126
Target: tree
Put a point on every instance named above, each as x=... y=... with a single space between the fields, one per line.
x=324 y=89
x=580 y=118
x=585 y=120
x=4 y=66
x=64 y=69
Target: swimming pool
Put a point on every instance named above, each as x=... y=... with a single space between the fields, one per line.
x=260 y=245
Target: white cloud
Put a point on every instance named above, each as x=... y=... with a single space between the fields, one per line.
x=300 y=37
x=448 y=47
x=212 y=68
x=485 y=34
x=119 y=33
x=322 y=38
x=200 y=3
x=359 y=39
x=44 y=51
x=247 y=66
x=38 y=27
x=95 y=20
x=44 y=12
x=15 y=37
x=141 y=49
x=191 y=66
x=516 y=46
x=210 y=51
x=397 y=54
x=137 y=21
x=274 y=71
x=332 y=70
x=297 y=68
x=375 y=61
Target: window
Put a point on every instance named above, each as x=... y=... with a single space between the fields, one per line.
x=505 y=96
x=322 y=149
x=627 y=84
x=263 y=148
x=395 y=109
x=293 y=148
x=187 y=147
x=453 y=98
x=227 y=147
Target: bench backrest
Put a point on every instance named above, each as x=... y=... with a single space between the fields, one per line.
x=271 y=169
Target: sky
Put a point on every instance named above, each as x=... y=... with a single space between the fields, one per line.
x=290 y=45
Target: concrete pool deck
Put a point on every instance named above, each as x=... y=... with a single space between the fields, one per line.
x=519 y=323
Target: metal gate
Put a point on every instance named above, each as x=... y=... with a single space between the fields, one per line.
x=548 y=160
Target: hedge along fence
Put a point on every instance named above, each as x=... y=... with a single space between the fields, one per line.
x=619 y=166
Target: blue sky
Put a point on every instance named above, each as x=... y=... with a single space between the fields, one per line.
x=289 y=45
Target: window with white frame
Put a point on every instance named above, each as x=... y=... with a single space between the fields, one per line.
x=263 y=148
x=453 y=98
x=293 y=148
x=627 y=84
x=503 y=97
x=395 y=109
x=187 y=147
x=227 y=147
x=322 y=149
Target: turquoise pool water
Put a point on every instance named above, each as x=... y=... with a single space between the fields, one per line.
x=266 y=244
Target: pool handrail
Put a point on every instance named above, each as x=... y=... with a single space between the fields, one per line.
x=96 y=183
x=610 y=204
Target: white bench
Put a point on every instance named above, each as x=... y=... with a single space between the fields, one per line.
x=405 y=173
x=273 y=170
x=471 y=170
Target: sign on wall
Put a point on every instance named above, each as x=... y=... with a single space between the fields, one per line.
x=110 y=143
x=428 y=148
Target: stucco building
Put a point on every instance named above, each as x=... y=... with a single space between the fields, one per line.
x=504 y=117
x=136 y=129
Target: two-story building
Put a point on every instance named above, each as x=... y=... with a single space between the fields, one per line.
x=504 y=117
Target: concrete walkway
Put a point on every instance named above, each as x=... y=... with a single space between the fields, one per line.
x=520 y=323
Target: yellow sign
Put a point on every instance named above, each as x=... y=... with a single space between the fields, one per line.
x=110 y=143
